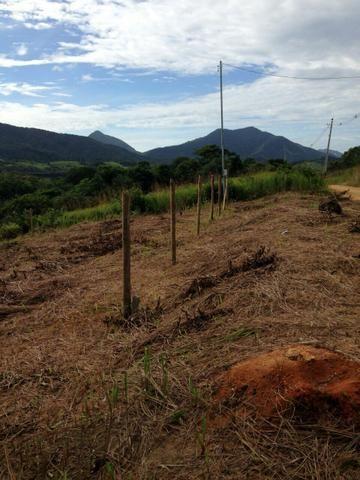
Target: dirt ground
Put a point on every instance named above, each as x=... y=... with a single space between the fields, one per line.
x=86 y=395
x=354 y=192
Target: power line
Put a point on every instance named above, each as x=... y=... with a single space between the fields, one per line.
x=346 y=122
x=265 y=74
x=320 y=136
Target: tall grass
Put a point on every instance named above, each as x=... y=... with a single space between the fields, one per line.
x=247 y=187
x=268 y=183
x=66 y=219
x=350 y=176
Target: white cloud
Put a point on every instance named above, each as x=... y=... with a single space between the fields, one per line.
x=23 y=88
x=87 y=78
x=316 y=36
x=21 y=49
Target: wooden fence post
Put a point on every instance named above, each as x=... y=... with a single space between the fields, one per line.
x=212 y=193
x=198 y=206
x=225 y=192
x=173 y=221
x=31 y=223
x=219 y=195
x=126 y=251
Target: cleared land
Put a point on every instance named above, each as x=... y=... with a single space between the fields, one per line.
x=69 y=410
x=354 y=192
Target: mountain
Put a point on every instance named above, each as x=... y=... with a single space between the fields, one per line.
x=332 y=153
x=247 y=142
x=34 y=145
x=108 y=140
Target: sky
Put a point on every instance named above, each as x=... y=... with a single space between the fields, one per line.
x=146 y=71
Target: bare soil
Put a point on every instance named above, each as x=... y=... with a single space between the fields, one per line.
x=85 y=395
x=296 y=377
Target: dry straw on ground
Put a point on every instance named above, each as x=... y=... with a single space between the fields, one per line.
x=81 y=400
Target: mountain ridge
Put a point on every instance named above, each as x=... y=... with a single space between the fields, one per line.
x=248 y=142
x=43 y=146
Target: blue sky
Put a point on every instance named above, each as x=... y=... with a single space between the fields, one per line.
x=146 y=70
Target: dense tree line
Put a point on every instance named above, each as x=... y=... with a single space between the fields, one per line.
x=85 y=186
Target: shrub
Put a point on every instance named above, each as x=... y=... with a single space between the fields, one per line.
x=9 y=231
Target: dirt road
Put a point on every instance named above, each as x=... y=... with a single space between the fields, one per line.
x=353 y=191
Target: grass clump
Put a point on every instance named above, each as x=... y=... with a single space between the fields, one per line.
x=9 y=231
x=53 y=219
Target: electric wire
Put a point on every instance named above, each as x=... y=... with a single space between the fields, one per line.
x=320 y=136
x=267 y=74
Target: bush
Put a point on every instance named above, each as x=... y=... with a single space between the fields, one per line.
x=9 y=231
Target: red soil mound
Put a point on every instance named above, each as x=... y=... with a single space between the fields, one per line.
x=313 y=380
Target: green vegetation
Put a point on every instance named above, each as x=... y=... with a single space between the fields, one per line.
x=349 y=176
x=243 y=188
x=90 y=194
x=9 y=231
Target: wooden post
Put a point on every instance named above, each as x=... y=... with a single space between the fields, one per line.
x=31 y=223
x=212 y=194
x=198 y=206
x=219 y=195
x=126 y=251
x=225 y=193
x=173 y=221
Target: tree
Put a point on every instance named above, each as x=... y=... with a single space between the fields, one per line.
x=209 y=154
x=142 y=176
x=162 y=174
x=351 y=157
x=76 y=174
x=279 y=164
x=186 y=170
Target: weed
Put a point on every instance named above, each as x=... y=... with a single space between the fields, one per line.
x=110 y=470
x=240 y=333
x=194 y=391
x=178 y=417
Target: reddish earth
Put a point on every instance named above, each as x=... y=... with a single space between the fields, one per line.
x=313 y=380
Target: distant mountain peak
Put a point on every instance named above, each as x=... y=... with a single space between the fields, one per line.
x=19 y=143
x=248 y=142
x=109 y=140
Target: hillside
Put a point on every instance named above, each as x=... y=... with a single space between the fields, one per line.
x=84 y=393
x=42 y=146
x=247 y=142
x=109 y=140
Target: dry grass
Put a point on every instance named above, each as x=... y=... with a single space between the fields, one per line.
x=78 y=399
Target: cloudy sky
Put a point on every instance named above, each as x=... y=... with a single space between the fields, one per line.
x=146 y=70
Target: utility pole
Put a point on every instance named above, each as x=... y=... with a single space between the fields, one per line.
x=224 y=173
x=328 y=147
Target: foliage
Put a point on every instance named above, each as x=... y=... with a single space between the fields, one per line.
x=9 y=231
x=92 y=193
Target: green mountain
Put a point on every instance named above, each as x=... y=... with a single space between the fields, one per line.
x=31 y=145
x=109 y=140
x=247 y=142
